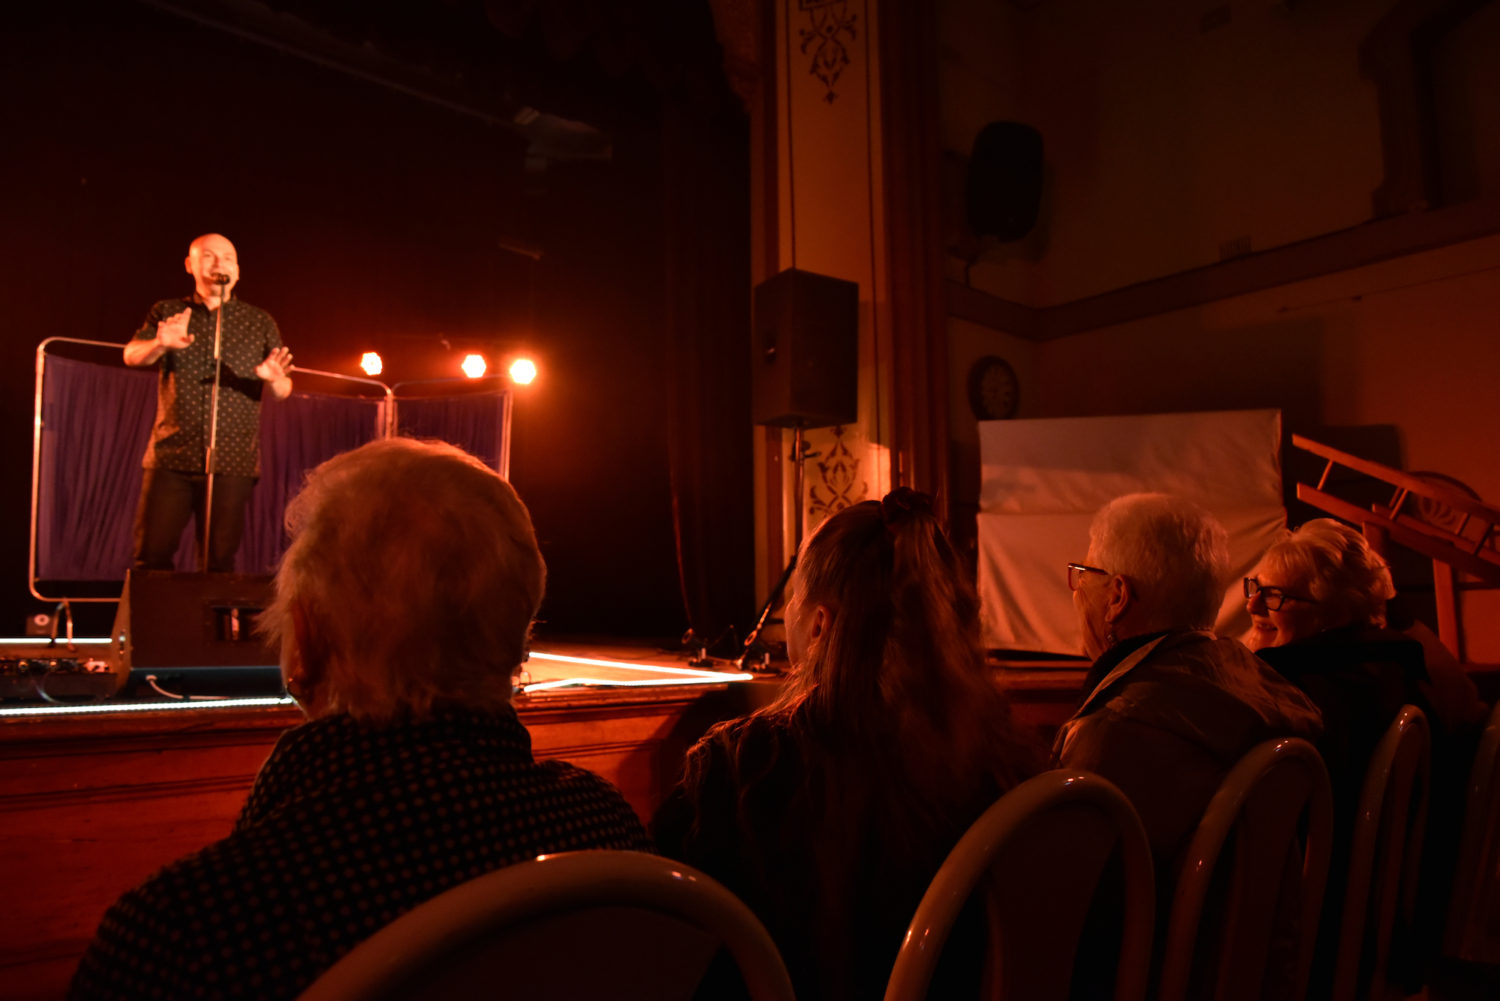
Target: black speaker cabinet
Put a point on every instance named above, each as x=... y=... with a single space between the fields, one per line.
x=806 y=351
x=184 y=620
x=1003 y=191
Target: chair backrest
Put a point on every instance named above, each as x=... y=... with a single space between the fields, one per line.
x=1473 y=931
x=577 y=924
x=1040 y=853
x=1385 y=855
x=1266 y=833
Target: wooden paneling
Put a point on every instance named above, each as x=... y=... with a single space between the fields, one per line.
x=89 y=807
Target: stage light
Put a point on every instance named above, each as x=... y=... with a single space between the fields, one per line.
x=522 y=371
x=474 y=366
x=371 y=363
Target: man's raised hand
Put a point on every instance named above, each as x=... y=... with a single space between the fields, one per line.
x=277 y=366
x=173 y=331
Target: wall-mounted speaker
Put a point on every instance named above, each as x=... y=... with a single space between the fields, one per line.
x=805 y=368
x=1003 y=189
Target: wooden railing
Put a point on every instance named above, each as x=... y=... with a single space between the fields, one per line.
x=1467 y=547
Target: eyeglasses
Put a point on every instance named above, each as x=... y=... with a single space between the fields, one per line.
x=1274 y=597
x=1076 y=572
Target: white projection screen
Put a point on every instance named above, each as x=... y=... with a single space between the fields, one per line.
x=1043 y=480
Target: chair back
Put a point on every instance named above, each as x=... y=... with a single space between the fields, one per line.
x=1385 y=855
x=1473 y=932
x=1039 y=855
x=1262 y=847
x=615 y=924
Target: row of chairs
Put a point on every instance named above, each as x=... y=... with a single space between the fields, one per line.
x=627 y=925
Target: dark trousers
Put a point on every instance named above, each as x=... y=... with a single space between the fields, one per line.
x=169 y=498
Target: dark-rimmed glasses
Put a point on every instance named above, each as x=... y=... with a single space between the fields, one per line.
x=1076 y=572
x=1274 y=597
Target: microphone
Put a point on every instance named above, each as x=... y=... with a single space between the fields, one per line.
x=221 y=279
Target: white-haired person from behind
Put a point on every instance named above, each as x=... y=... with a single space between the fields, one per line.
x=403 y=607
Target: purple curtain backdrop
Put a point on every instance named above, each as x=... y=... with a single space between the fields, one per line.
x=296 y=434
x=479 y=423
x=95 y=423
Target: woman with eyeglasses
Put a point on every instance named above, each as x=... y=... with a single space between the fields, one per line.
x=1322 y=576
x=1317 y=603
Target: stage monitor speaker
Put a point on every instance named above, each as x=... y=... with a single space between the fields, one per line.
x=1003 y=190
x=806 y=351
x=192 y=620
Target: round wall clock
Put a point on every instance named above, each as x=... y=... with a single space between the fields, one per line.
x=994 y=391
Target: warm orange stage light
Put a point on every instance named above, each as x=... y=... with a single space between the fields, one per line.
x=371 y=363
x=474 y=366
x=522 y=371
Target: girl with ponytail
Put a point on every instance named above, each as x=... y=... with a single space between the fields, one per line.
x=830 y=810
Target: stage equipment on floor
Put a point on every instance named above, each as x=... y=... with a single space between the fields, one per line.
x=60 y=671
x=192 y=620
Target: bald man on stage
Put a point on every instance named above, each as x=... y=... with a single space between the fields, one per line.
x=178 y=337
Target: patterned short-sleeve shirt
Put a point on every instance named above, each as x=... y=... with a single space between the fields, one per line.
x=348 y=827
x=179 y=439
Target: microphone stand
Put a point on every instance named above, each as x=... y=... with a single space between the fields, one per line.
x=213 y=426
x=800 y=455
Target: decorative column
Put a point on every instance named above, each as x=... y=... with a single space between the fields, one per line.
x=838 y=109
x=829 y=219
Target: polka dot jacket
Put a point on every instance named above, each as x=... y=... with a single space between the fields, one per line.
x=179 y=438
x=348 y=826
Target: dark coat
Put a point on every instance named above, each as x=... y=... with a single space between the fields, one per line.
x=1166 y=720
x=1360 y=677
x=348 y=827
x=755 y=815
x=1171 y=718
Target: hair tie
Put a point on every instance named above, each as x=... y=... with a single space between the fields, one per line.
x=902 y=504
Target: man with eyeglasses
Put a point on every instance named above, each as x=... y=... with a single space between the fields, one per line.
x=1168 y=707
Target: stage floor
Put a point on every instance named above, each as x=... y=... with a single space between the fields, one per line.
x=560 y=665
x=555 y=669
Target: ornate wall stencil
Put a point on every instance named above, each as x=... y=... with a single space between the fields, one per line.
x=838 y=482
x=829 y=22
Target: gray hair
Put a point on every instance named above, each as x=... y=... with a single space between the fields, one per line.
x=1339 y=568
x=417 y=572
x=1174 y=553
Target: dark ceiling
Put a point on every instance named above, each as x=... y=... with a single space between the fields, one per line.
x=560 y=73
